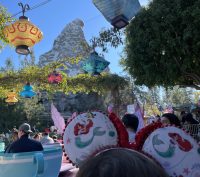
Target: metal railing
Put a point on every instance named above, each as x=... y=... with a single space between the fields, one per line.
x=194 y=130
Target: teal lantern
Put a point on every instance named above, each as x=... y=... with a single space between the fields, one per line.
x=118 y=12
x=94 y=64
x=27 y=91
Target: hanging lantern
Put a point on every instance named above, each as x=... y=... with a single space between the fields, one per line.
x=55 y=77
x=94 y=64
x=22 y=33
x=11 y=98
x=118 y=12
x=27 y=91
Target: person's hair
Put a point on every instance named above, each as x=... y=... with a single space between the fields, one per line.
x=14 y=130
x=45 y=133
x=130 y=121
x=158 y=116
x=120 y=162
x=189 y=118
x=54 y=137
x=37 y=135
x=173 y=119
x=182 y=113
x=14 y=135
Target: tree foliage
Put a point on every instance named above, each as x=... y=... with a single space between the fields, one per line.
x=26 y=110
x=37 y=76
x=177 y=96
x=4 y=19
x=11 y=115
x=163 y=44
x=111 y=36
x=33 y=110
x=157 y=99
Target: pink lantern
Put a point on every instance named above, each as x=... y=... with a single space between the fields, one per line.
x=55 y=77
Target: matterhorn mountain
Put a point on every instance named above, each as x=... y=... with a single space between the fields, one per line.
x=70 y=43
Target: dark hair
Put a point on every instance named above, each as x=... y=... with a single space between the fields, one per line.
x=14 y=130
x=120 y=162
x=54 y=137
x=130 y=121
x=182 y=113
x=189 y=118
x=173 y=119
x=37 y=135
x=45 y=133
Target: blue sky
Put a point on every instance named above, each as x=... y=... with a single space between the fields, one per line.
x=52 y=17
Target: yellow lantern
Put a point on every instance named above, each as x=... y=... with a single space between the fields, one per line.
x=11 y=98
x=22 y=33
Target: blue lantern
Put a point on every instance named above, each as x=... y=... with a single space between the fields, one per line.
x=27 y=91
x=118 y=12
x=94 y=64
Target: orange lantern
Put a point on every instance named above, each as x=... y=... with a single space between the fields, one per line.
x=11 y=98
x=22 y=33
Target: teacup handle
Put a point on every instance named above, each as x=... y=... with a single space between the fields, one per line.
x=39 y=160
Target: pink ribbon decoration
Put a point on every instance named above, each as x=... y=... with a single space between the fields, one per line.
x=58 y=120
x=139 y=113
x=110 y=108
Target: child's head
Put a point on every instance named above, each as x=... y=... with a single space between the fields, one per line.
x=130 y=121
x=120 y=162
x=172 y=119
x=188 y=118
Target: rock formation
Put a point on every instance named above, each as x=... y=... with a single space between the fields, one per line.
x=69 y=43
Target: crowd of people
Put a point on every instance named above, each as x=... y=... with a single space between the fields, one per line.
x=131 y=122
x=24 y=140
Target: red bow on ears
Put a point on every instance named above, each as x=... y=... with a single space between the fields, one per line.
x=121 y=130
x=47 y=130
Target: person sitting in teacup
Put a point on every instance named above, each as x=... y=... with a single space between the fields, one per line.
x=24 y=143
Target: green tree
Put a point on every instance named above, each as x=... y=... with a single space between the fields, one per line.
x=11 y=115
x=151 y=99
x=163 y=44
x=177 y=96
x=33 y=110
x=27 y=60
x=4 y=19
x=26 y=110
x=107 y=37
x=9 y=66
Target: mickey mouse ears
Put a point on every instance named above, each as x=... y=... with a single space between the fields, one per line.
x=176 y=151
x=92 y=132
x=89 y=133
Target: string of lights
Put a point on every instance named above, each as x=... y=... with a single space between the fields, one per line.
x=34 y=7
